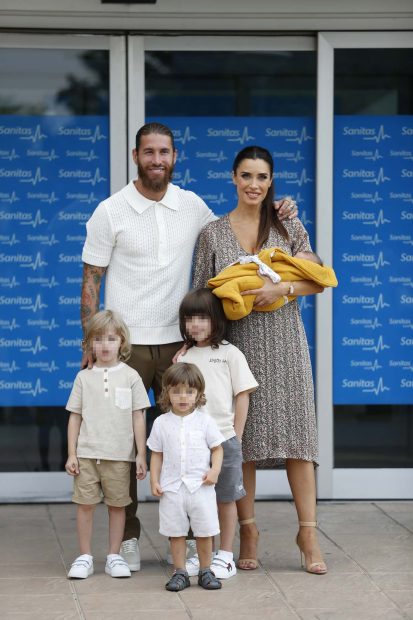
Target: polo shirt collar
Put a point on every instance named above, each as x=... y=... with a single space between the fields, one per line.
x=140 y=203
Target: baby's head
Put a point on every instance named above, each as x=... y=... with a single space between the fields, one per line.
x=178 y=375
x=105 y=322
x=311 y=256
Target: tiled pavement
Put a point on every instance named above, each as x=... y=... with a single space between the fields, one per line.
x=368 y=547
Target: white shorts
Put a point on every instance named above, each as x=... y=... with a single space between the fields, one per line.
x=178 y=511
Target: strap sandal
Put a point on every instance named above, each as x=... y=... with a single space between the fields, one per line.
x=207 y=580
x=179 y=581
x=248 y=545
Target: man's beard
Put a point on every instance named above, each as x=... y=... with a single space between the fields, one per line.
x=156 y=185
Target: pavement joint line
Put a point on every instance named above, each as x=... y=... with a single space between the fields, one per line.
x=71 y=584
x=163 y=565
x=369 y=576
x=392 y=518
x=282 y=594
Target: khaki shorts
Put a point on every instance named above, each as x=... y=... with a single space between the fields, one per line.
x=97 y=478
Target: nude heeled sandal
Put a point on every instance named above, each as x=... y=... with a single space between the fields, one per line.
x=253 y=562
x=315 y=568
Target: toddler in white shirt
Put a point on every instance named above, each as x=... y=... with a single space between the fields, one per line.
x=185 y=463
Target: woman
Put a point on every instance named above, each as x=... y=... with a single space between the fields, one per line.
x=281 y=425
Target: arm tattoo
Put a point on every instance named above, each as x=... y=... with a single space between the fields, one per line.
x=90 y=296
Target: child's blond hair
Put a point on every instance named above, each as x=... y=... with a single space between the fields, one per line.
x=100 y=323
x=186 y=374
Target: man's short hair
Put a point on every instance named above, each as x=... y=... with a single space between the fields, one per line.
x=151 y=128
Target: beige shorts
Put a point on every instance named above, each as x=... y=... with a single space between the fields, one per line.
x=98 y=478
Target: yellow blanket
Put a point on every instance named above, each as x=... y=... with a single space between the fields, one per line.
x=231 y=281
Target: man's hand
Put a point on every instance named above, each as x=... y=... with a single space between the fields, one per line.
x=181 y=351
x=141 y=468
x=87 y=360
x=72 y=466
x=210 y=477
x=156 y=489
x=287 y=208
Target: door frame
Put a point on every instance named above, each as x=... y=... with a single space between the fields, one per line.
x=341 y=483
x=57 y=486
x=270 y=484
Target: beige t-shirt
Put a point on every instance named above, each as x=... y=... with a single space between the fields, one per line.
x=105 y=398
x=226 y=373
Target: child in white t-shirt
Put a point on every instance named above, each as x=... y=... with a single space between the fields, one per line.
x=107 y=419
x=228 y=381
x=185 y=463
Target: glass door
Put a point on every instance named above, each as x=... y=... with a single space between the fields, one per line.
x=371 y=144
x=56 y=165
x=219 y=94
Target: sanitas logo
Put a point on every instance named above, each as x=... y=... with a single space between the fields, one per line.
x=69 y=342
x=357 y=299
x=406 y=299
x=357 y=342
x=69 y=301
x=357 y=258
x=70 y=258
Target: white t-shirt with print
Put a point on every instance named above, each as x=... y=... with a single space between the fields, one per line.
x=185 y=443
x=105 y=398
x=226 y=373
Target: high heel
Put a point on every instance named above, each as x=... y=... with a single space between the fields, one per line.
x=247 y=563
x=315 y=568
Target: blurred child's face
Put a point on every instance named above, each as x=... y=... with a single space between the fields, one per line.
x=183 y=398
x=106 y=348
x=199 y=328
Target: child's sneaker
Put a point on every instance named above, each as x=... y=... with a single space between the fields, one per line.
x=192 y=560
x=82 y=567
x=116 y=566
x=129 y=550
x=192 y=565
x=223 y=565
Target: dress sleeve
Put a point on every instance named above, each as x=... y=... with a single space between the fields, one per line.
x=300 y=241
x=204 y=259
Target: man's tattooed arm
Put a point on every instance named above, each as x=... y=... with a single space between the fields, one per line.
x=90 y=296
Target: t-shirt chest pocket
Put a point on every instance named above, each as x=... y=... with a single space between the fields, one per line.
x=123 y=398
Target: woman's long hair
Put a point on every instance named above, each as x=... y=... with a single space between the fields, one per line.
x=268 y=215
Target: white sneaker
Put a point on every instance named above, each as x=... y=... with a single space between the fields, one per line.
x=116 y=566
x=222 y=566
x=192 y=566
x=82 y=567
x=129 y=551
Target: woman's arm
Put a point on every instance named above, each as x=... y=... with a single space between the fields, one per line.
x=270 y=292
x=204 y=260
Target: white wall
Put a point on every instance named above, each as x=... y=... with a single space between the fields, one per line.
x=214 y=15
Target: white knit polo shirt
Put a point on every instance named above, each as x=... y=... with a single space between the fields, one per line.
x=147 y=247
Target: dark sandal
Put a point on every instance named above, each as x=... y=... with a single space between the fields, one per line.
x=179 y=581
x=207 y=580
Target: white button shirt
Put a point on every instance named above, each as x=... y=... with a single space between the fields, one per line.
x=185 y=443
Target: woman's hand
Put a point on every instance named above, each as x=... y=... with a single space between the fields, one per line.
x=268 y=293
x=287 y=208
x=141 y=468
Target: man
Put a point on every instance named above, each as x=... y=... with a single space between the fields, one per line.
x=141 y=240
